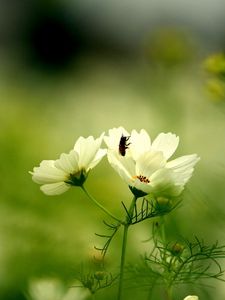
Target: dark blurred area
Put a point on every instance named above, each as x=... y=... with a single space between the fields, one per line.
x=51 y=35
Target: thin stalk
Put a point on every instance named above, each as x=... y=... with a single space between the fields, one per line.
x=124 y=246
x=101 y=206
x=169 y=293
x=122 y=262
x=164 y=241
x=162 y=230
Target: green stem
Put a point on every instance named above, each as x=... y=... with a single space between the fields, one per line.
x=124 y=246
x=162 y=230
x=101 y=206
x=169 y=293
x=122 y=262
x=164 y=242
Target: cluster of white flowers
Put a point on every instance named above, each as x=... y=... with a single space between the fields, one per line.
x=141 y=163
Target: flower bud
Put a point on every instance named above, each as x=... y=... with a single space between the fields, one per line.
x=163 y=204
x=177 y=249
x=99 y=275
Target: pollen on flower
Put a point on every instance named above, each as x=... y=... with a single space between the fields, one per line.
x=142 y=178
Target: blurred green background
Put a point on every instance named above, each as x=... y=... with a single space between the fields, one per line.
x=72 y=68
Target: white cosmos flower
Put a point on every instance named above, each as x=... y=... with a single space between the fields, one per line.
x=53 y=289
x=145 y=166
x=57 y=176
x=191 y=298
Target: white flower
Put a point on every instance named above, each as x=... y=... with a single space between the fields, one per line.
x=53 y=289
x=57 y=176
x=144 y=167
x=191 y=298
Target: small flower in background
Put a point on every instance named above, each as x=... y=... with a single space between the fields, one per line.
x=46 y=289
x=191 y=298
x=53 y=289
x=57 y=176
x=215 y=64
x=145 y=168
x=216 y=89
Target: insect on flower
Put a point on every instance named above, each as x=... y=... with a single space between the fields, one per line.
x=124 y=145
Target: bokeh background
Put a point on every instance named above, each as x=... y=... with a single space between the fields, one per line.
x=71 y=68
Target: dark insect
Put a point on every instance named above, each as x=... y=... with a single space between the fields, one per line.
x=123 y=145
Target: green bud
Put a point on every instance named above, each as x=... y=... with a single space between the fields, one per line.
x=99 y=275
x=177 y=249
x=163 y=204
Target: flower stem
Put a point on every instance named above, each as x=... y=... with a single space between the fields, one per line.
x=122 y=262
x=169 y=293
x=164 y=242
x=124 y=246
x=162 y=230
x=101 y=206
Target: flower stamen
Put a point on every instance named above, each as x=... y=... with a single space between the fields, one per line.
x=142 y=178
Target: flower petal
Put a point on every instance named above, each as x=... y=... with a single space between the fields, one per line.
x=167 y=143
x=183 y=163
x=68 y=162
x=124 y=166
x=142 y=186
x=191 y=297
x=99 y=155
x=149 y=162
x=48 y=173
x=113 y=139
x=87 y=149
x=139 y=143
x=54 y=188
x=164 y=183
x=183 y=167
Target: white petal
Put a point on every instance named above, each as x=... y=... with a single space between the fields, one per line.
x=139 y=143
x=183 y=163
x=99 y=155
x=183 y=167
x=54 y=188
x=113 y=139
x=167 y=143
x=47 y=173
x=149 y=162
x=87 y=149
x=124 y=166
x=191 y=298
x=163 y=182
x=141 y=186
x=68 y=162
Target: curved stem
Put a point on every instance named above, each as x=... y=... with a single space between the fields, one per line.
x=101 y=206
x=124 y=246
